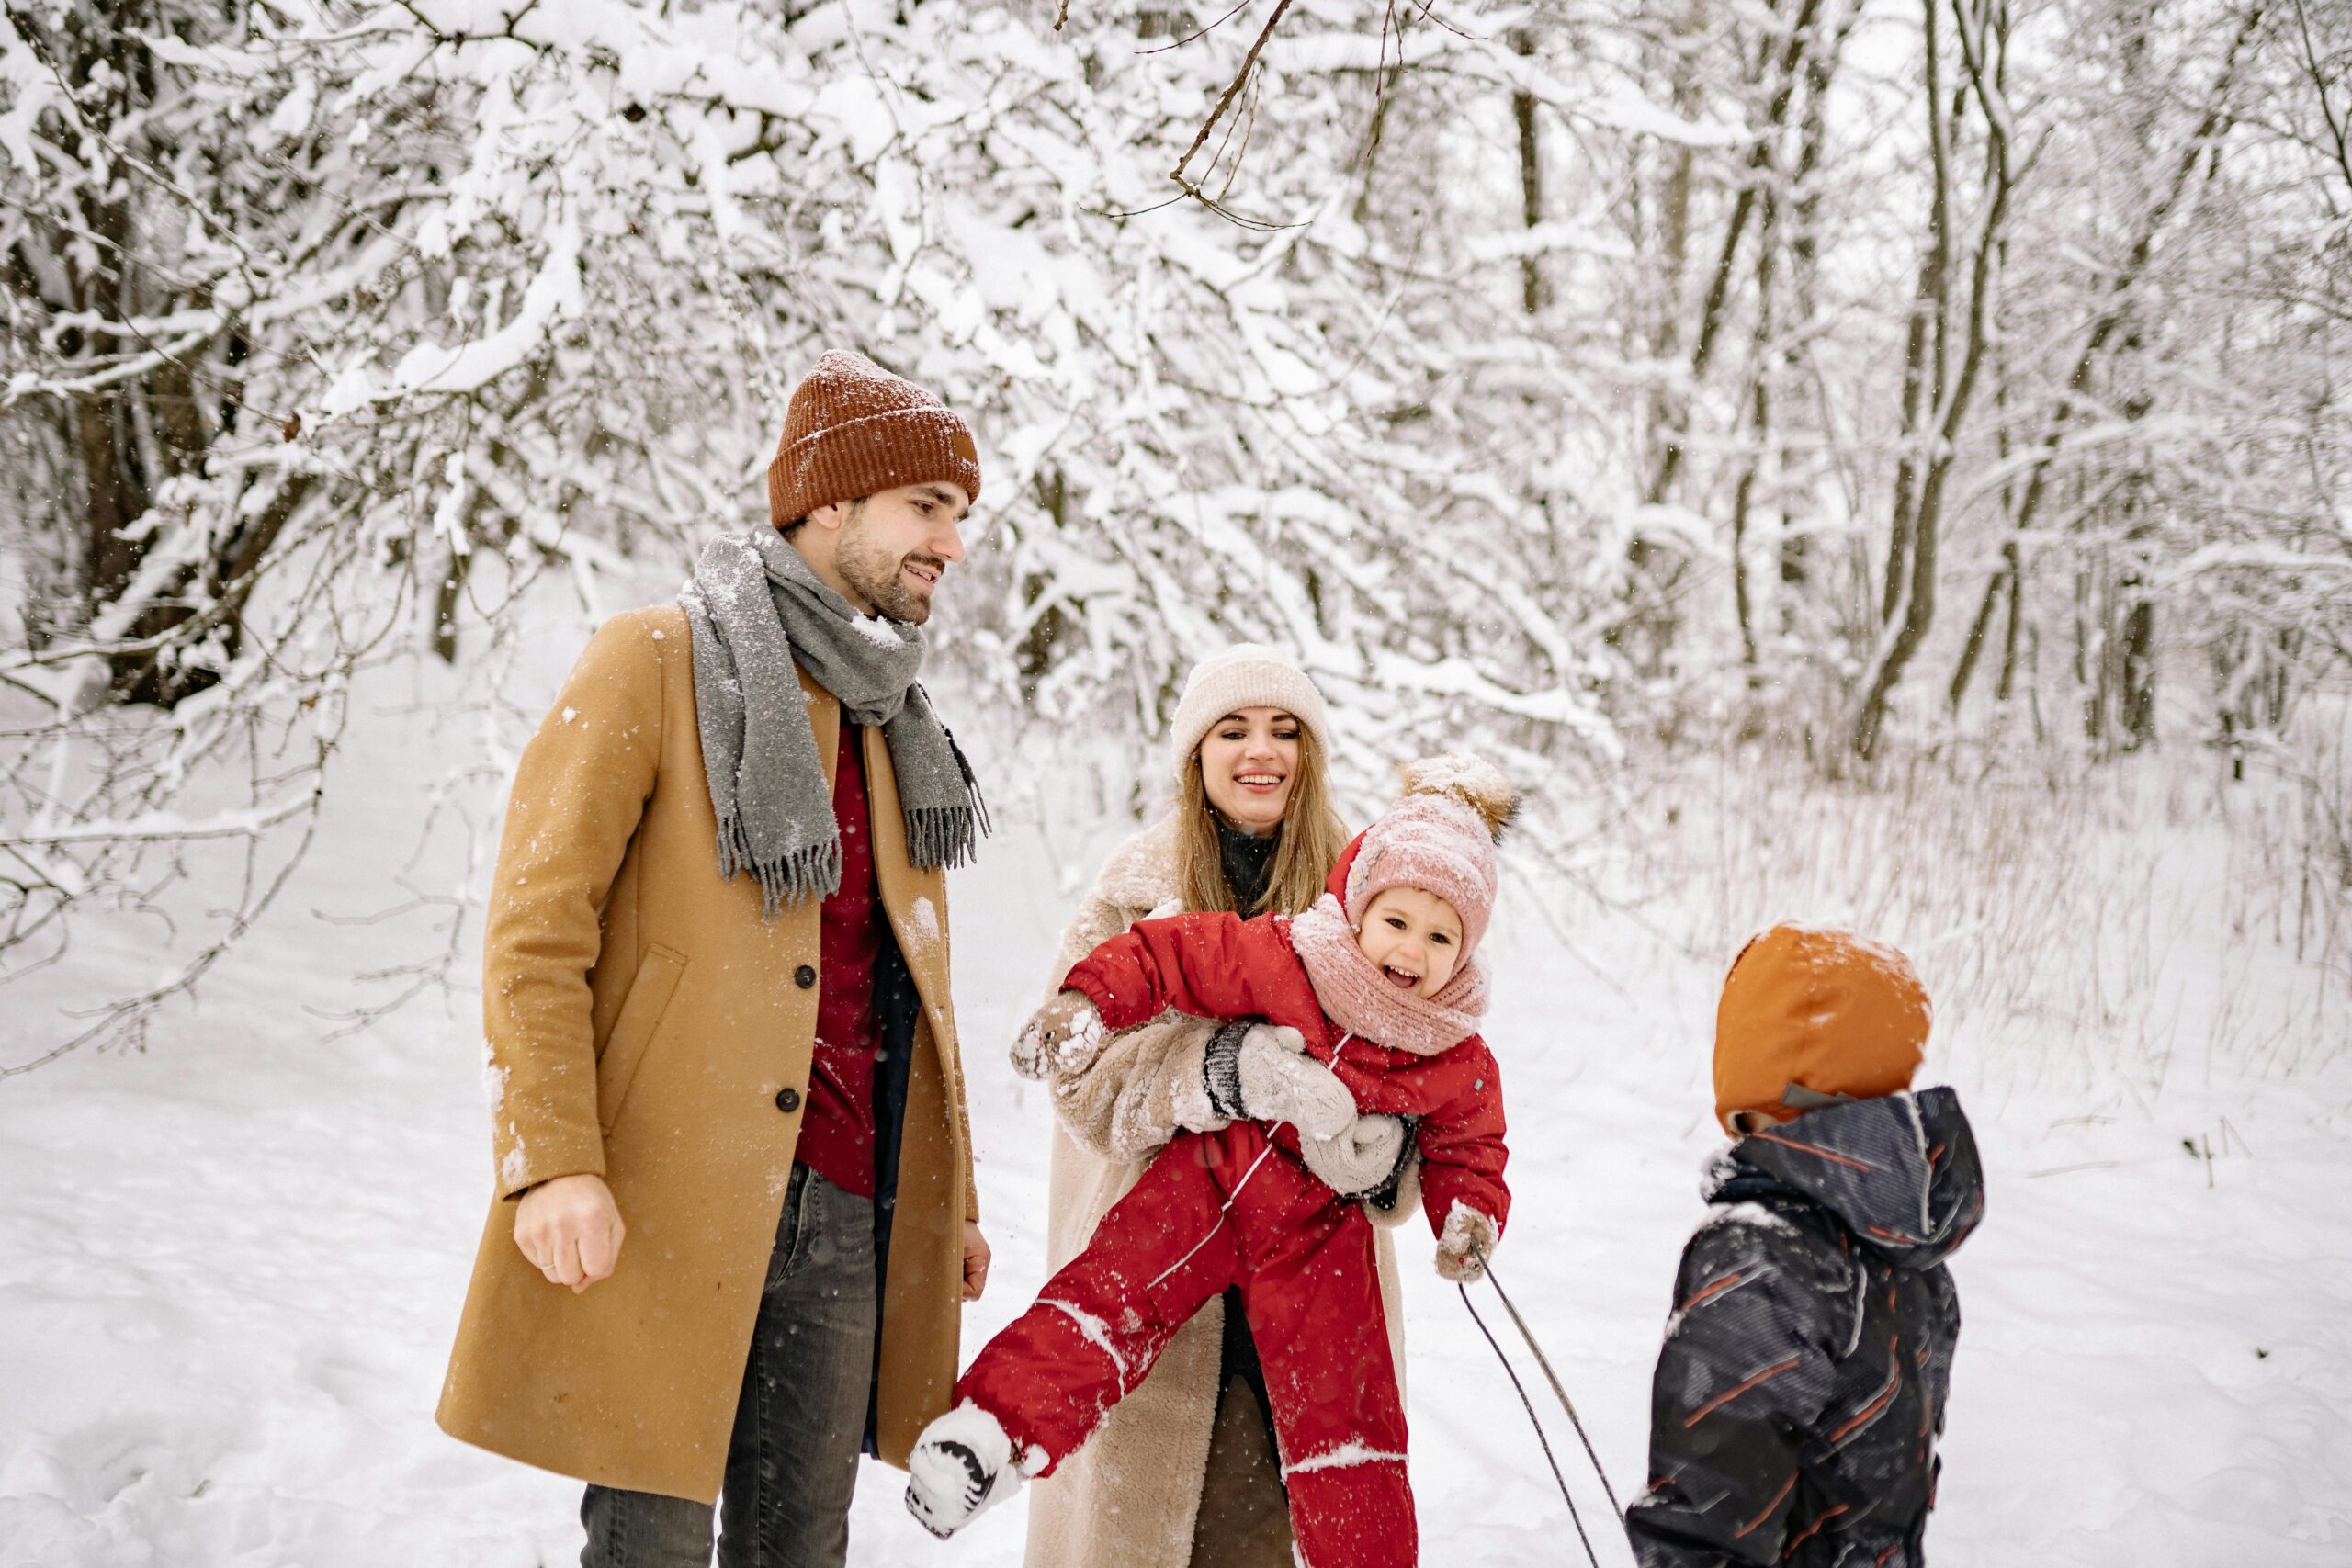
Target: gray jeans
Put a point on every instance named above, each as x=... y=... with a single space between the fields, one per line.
x=792 y=1461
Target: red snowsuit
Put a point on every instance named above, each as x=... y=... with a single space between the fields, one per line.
x=1236 y=1207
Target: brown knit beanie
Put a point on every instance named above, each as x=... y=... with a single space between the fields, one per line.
x=854 y=429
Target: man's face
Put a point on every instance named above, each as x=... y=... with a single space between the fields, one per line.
x=896 y=544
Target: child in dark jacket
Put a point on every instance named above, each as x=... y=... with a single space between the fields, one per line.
x=1808 y=1357
x=1379 y=982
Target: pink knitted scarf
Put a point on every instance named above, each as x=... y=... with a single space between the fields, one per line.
x=1358 y=1000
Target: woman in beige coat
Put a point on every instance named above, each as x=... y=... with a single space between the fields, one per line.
x=1183 y=1472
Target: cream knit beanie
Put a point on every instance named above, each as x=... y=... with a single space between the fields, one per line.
x=1247 y=675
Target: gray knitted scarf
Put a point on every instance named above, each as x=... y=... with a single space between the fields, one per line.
x=756 y=608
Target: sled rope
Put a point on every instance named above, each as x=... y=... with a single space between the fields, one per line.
x=1487 y=1267
x=1558 y=1480
x=1549 y=1376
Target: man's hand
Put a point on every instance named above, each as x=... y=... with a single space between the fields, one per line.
x=570 y=1230
x=975 y=1261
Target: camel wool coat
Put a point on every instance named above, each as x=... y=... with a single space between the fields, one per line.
x=644 y=1023
x=1128 y=1498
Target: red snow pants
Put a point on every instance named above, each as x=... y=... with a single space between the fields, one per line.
x=1215 y=1210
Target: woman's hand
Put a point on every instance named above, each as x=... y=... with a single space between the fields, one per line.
x=1363 y=1157
x=1063 y=1036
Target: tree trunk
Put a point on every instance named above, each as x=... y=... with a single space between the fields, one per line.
x=2119 y=292
x=1985 y=58
x=1532 y=294
x=2007 y=685
x=1649 y=622
x=1034 y=654
x=2135 y=664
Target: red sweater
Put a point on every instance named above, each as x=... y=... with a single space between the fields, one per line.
x=837 y=1135
x=1220 y=965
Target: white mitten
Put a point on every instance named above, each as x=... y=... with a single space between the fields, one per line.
x=1063 y=1036
x=1468 y=1236
x=962 y=1466
x=1361 y=1160
x=1279 y=1082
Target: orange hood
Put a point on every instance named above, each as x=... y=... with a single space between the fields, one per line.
x=1834 y=1013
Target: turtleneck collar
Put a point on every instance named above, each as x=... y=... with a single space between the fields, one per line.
x=1247 y=861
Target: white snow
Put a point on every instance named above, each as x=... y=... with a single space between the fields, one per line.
x=1344 y=1454
x=925 y=918
x=515 y=1166
x=231 y=1265
x=1096 y=1333
x=33 y=88
x=553 y=294
x=876 y=629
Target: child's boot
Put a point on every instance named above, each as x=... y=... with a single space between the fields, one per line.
x=961 y=1465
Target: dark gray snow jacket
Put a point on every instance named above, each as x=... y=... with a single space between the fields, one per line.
x=1802 y=1386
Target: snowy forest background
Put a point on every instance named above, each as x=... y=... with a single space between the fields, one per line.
x=1882 y=459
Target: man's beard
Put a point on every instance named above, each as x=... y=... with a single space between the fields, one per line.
x=874 y=574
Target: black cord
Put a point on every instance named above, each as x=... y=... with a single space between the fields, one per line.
x=1574 y=1517
x=1573 y=1419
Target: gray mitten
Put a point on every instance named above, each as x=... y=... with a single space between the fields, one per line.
x=1361 y=1159
x=1260 y=1072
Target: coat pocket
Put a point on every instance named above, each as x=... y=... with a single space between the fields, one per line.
x=640 y=1019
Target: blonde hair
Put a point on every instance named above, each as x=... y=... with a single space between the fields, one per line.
x=1313 y=838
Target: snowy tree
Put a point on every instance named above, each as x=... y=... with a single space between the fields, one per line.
x=1853 y=373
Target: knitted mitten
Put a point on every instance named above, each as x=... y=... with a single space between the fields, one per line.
x=1063 y=1036
x=1262 y=1073
x=1361 y=1160
x=1469 y=1235
x=962 y=1466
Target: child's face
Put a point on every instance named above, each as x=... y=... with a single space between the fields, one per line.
x=1413 y=937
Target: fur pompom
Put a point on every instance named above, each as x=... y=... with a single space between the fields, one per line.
x=1475 y=782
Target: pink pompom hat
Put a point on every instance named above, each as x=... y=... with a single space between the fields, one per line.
x=1438 y=836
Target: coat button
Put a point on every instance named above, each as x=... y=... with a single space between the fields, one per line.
x=803 y=976
x=788 y=1100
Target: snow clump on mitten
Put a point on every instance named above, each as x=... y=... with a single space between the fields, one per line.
x=962 y=1466
x=1063 y=1036
x=1469 y=1237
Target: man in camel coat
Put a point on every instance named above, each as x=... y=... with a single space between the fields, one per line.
x=734 y=1219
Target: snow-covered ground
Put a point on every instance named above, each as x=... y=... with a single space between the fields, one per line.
x=230 y=1265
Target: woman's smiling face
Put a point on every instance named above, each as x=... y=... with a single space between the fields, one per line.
x=1414 y=938
x=1249 y=761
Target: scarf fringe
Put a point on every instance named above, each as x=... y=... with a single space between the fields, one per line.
x=943 y=836
x=783 y=879
x=971 y=780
